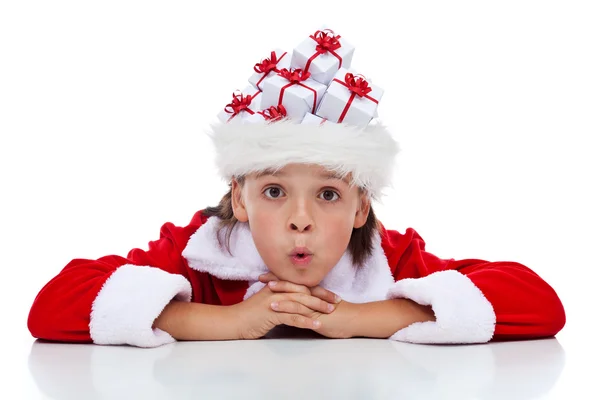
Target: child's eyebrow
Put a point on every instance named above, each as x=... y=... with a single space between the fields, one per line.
x=324 y=175
x=332 y=175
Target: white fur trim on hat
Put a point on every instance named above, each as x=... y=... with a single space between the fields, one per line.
x=367 y=152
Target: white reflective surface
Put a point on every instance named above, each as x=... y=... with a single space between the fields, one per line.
x=289 y=365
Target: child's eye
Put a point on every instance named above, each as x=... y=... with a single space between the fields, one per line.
x=273 y=191
x=331 y=191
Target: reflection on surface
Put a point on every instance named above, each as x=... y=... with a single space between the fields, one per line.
x=298 y=367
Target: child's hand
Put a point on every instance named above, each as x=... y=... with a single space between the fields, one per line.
x=338 y=324
x=316 y=291
x=295 y=306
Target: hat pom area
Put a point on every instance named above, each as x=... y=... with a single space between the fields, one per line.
x=367 y=152
x=308 y=106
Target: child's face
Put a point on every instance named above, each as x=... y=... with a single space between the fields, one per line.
x=300 y=208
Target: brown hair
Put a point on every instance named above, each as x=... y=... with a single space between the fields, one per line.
x=361 y=239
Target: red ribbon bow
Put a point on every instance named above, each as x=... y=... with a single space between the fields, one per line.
x=238 y=104
x=357 y=85
x=267 y=65
x=274 y=113
x=326 y=41
x=295 y=76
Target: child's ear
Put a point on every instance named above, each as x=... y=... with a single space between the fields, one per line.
x=364 y=206
x=237 y=202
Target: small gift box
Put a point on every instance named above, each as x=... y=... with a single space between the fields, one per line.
x=350 y=99
x=243 y=105
x=294 y=90
x=278 y=60
x=323 y=54
x=313 y=119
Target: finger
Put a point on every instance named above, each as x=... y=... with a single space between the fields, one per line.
x=291 y=307
x=289 y=287
x=325 y=294
x=269 y=276
x=298 y=321
x=312 y=302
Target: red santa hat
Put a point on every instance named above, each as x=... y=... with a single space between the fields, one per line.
x=311 y=107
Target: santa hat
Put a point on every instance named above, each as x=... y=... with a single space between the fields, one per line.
x=309 y=106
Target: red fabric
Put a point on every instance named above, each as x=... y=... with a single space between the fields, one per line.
x=61 y=310
x=525 y=305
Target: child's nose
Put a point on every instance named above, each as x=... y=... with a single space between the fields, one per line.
x=302 y=221
x=301 y=226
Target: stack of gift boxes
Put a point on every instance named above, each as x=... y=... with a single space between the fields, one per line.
x=315 y=85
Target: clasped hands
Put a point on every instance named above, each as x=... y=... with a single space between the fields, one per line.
x=286 y=303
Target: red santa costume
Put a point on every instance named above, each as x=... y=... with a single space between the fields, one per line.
x=115 y=299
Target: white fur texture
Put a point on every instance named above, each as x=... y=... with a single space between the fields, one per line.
x=463 y=314
x=367 y=152
x=357 y=285
x=129 y=302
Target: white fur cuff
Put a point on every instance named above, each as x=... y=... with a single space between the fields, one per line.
x=129 y=302
x=463 y=314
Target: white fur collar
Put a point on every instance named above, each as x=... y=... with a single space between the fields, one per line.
x=368 y=283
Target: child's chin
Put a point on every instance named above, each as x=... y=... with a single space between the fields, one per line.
x=309 y=281
x=304 y=279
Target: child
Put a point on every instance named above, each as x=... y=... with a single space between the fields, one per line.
x=295 y=242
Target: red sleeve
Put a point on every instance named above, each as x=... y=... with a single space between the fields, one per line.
x=474 y=300
x=114 y=299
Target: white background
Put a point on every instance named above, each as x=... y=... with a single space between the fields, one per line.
x=496 y=106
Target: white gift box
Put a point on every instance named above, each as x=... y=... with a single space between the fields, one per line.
x=255 y=118
x=342 y=105
x=322 y=66
x=314 y=119
x=297 y=98
x=278 y=59
x=243 y=114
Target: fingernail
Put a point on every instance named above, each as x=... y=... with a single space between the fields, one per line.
x=329 y=307
x=274 y=305
x=272 y=283
x=316 y=324
x=337 y=298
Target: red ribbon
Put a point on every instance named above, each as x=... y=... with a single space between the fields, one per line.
x=323 y=120
x=240 y=103
x=326 y=42
x=267 y=65
x=274 y=113
x=359 y=87
x=296 y=77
